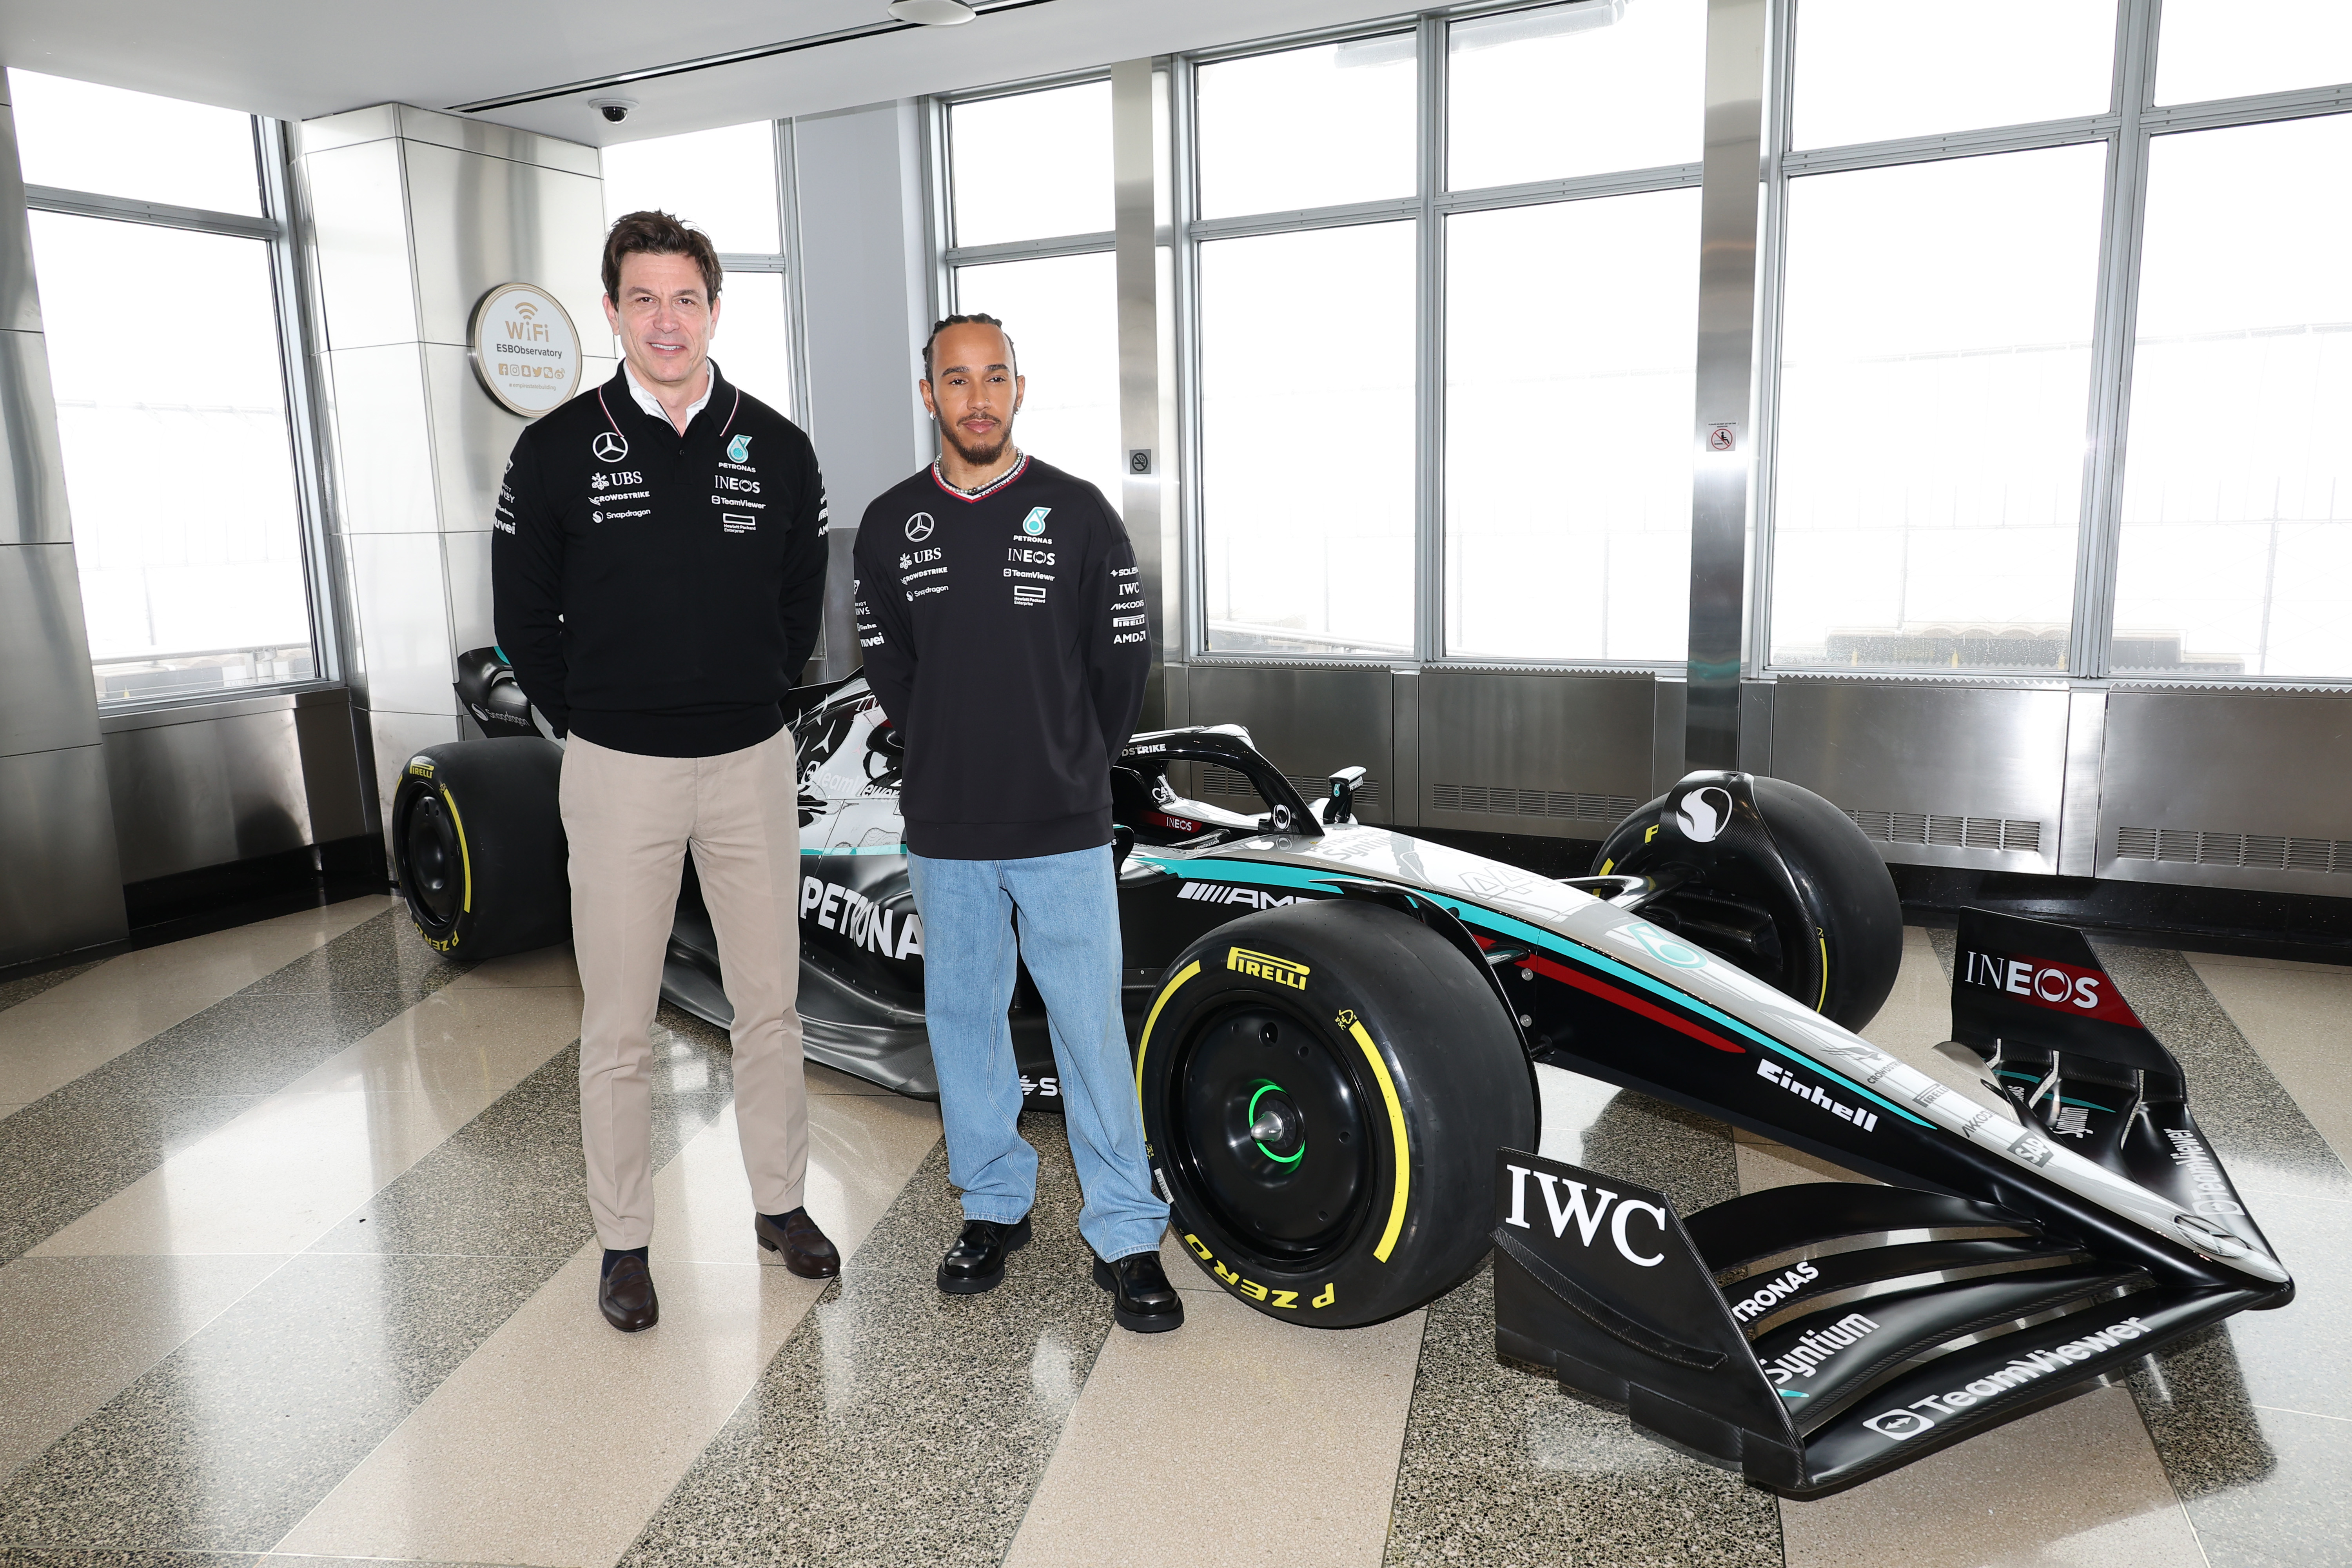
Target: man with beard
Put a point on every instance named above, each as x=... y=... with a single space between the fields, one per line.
x=1001 y=621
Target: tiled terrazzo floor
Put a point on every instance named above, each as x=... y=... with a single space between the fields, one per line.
x=295 y=1268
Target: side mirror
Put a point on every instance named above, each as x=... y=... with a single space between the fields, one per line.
x=1342 y=806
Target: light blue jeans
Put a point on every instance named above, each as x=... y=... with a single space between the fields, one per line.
x=1068 y=906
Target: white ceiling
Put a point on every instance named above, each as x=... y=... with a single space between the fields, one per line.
x=297 y=60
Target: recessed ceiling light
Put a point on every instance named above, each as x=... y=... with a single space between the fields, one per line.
x=933 y=13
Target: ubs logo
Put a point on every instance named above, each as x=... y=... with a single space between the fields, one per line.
x=918 y=527
x=610 y=445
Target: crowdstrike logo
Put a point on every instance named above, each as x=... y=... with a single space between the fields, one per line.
x=1775 y=1292
x=1915 y=1417
x=1815 y=1348
x=1587 y=1219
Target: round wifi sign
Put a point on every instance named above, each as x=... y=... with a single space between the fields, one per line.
x=525 y=351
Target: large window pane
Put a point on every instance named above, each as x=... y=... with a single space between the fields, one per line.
x=179 y=474
x=83 y=137
x=1869 y=70
x=1063 y=314
x=2237 y=507
x=1934 y=399
x=1567 y=449
x=1306 y=464
x=1307 y=128
x=1587 y=89
x=2228 y=49
x=723 y=182
x=752 y=344
x=1031 y=166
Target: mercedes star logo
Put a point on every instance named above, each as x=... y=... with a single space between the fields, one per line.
x=609 y=446
x=918 y=527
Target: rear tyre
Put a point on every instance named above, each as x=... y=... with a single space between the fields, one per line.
x=1790 y=892
x=478 y=842
x=1324 y=1086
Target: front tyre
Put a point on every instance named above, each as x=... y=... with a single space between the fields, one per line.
x=478 y=842
x=1324 y=1086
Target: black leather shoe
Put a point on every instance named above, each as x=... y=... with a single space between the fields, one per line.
x=976 y=1262
x=626 y=1295
x=807 y=1251
x=1140 y=1296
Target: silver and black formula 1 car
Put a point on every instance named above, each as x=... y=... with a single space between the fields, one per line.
x=1345 y=1037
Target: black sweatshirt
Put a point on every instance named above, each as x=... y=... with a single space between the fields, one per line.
x=659 y=593
x=1004 y=635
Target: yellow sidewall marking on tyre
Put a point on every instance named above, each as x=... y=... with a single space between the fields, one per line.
x=1396 y=1132
x=465 y=855
x=1165 y=991
x=1822 y=1003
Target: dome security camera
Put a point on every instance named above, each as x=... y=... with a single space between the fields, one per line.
x=613 y=108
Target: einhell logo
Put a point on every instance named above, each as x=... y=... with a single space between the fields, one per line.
x=1266 y=966
x=2046 y=983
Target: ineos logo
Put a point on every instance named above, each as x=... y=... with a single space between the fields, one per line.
x=918 y=527
x=610 y=446
x=1588 y=1221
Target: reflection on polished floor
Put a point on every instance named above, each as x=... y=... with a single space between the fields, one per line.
x=295 y=1267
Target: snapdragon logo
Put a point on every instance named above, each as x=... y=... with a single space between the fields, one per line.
x=1922 y=1414
x=1587 y=1217
x=1775 y=1292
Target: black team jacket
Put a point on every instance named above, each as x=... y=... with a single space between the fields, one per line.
x=659 y=593
x=1004 y=635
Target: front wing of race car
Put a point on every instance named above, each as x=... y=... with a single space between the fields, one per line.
x=1813 y=1336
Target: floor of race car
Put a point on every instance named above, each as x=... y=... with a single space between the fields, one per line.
x=293 y=1260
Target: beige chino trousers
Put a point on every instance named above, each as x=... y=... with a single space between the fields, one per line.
x=631 y=819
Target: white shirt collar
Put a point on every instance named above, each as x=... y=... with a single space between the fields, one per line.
x=652 y=404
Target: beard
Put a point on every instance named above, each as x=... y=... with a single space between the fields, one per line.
x=980 y=456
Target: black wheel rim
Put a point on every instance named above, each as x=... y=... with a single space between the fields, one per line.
x=1266 y=1127
x=433 y=868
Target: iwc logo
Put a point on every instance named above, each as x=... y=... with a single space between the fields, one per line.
x=739 y=450
x=610 y=445
x=918 y=527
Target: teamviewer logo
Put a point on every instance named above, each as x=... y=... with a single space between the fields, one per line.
x=1899 y=1424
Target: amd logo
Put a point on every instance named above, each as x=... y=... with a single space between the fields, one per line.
x=1588 y=1219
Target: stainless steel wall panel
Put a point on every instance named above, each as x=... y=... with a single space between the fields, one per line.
x=323 y=731
x=1403 y=806
x=1669 y=732
x=477 y=222
x=63 y=888
x=496 y=140
x=1966 y=775
x=377 y=122
x=206 y=792
x=20 y=300
x=1564 y=755
x=472 y=437
x=1755 y=726
x=2232 y=789
x=33 y=496
x=398 y=588
x=383 y=438
x=1309 y=722
x=46 y=700
x=2086 y=740
x=466 y=562
x=390 y=740
x=356 y=215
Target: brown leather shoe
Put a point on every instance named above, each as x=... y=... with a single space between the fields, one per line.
x=807 y=1251
x=626 y=1295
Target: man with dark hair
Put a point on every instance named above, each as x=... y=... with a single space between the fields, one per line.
x=1002 y=619
x=658 y=562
